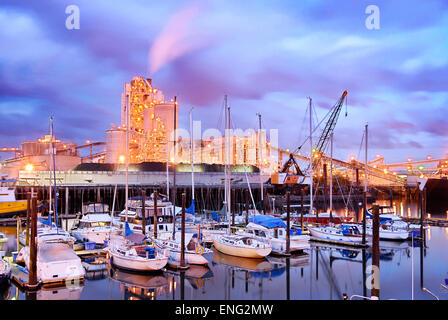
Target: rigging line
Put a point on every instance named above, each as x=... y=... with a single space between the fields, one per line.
x=245 y=173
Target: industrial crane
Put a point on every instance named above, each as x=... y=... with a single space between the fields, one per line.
x=320 y=147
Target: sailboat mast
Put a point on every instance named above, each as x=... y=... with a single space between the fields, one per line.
x=365 y=190
x=192 y=154
x=331 y=177
x=225 y=156
x=54 y=173
x=311 y=158
x=260 y=148
x=127 y=157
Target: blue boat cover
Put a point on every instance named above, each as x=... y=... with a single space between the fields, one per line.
x=46 y=222
x=127 y=230
x=190 y=209
x=268 y=221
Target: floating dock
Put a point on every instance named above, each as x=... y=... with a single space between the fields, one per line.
x=21 y=277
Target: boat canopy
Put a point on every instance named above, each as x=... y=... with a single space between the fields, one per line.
x=268 y=221
x=96 y=217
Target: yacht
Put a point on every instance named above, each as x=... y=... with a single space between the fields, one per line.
x=56 y=263
x=388 y=230
x=165 y=216
x=388 y=216
x=95 y=224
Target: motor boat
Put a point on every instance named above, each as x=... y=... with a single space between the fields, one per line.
x=56 y=263
x=131 y=253
x=166 y=212
x=274 y=230
x=343 y=232
x=94 y=227
x=194 y=252
x=47 y=232
x=242 y=245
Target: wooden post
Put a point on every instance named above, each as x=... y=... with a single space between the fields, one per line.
x=364 y=213
x=28 y=216
x=66 y=209
x=182 y=239
x=144 y=211
x=288 y=210
x=376 y=251
x=33 y=245
x=246 y=193
x=155 y=214
x=324 y=170
x=391 y=197
x=18 y=233
x=301 y=209
x=232 y=206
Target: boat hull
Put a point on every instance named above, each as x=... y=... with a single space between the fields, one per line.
x=136 y=264
x=299 y=243
x=97 y=236
x=316 y=232
x=244 y=252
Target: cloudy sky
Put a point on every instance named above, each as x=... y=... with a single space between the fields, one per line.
x=267 y=56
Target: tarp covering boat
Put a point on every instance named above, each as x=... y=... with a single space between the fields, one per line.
x=268 y=221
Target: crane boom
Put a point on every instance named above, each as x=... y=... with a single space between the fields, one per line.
x=330 y=125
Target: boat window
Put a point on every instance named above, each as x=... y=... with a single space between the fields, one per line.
x=160 y=227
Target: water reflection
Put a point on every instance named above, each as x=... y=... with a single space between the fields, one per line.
x=60 y=293
x=135 y=286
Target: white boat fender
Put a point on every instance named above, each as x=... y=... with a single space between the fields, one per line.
x=200 y=250
x=160 y=219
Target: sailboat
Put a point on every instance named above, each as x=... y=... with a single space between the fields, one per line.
x=234 y=244
x=341 y=232
x=274 y=230
x=131 y=253
x=194 y=253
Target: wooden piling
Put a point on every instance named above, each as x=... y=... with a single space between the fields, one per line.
x=288 y=228
x=232 y=206
x=155 y=214
x=364 y=214
x=246 y=195
x=376 y=251
x=182 y=239
x=33 y=245
x=301 y=209
x=144 y=211
x=28 y=216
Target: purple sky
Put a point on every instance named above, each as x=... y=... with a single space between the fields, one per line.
x=267 y=56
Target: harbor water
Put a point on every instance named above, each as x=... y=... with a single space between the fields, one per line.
x=408 y=270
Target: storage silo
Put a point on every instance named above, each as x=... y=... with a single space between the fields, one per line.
x=115 y=145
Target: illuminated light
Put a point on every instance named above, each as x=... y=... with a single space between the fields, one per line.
x=409 y=159
x=29 y=167
x=378 y=156
x=88 y=141
x=394 y=173
x=121 y=159
x=429 y=233
x=429 y=157
x=385 y=170
x=374 y=166
x=409 y=212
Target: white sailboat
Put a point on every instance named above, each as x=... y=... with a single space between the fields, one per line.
x=274 y=230
x=237 y=245
x=130 y=253
x=195 y=254
x=342 y=232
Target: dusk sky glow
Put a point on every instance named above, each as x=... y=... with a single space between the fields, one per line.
x=267 y=56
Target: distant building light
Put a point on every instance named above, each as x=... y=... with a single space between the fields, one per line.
x=29 y=167
x=121 y=159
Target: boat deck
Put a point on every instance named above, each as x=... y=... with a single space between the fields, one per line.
x=340 y=243
x=21 y=278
